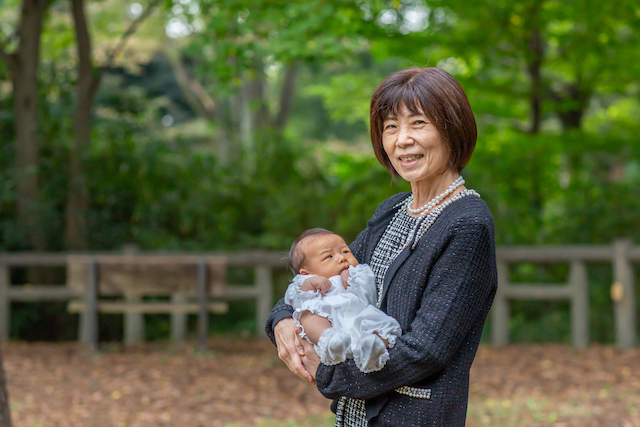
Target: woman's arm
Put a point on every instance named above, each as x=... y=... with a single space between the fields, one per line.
x=459 y=289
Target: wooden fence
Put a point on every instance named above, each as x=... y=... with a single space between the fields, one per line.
x=622 y=253
x=86 y=298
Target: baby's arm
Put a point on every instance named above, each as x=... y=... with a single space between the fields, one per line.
x=316 y=283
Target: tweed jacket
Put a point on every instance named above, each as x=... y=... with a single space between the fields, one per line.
x=440 y=293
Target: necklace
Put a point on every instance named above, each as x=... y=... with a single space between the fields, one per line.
x=425 y=223
x=421 y=226
x=433 y=202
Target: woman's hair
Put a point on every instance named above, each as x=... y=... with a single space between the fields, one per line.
x=296 y=253
x=436 y=94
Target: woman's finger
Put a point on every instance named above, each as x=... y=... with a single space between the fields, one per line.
x=289 y=348
x=310 y=359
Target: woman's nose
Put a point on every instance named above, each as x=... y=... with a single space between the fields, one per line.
x=404 y=138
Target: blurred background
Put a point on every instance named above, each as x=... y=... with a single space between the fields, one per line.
x=201 y=126
x=197 y=125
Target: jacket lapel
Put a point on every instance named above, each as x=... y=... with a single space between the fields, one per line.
x=378 y=227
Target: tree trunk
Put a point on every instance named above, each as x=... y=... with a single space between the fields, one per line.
x=23 y=65
x=286 y=95
x=571 y=104
x=77 y=206
x=5 y=413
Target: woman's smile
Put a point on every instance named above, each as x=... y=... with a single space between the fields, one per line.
x=410 y=160
x=414 y=146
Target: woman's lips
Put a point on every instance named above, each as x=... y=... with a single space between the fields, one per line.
x=407 y=161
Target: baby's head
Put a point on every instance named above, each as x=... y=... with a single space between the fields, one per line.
x=320 y=252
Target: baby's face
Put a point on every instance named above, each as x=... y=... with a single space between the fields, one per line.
x=326 y=255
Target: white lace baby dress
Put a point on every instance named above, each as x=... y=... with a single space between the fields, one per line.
x=354 y=319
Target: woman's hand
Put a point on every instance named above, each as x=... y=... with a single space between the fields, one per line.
x=291 y=350
x=310 y=359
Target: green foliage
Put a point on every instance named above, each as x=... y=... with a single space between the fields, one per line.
x=230 y=183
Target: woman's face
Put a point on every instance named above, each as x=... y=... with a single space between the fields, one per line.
x=415 y=147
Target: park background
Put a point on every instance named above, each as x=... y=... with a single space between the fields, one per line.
x=227 y=125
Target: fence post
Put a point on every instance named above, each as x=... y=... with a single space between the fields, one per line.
x=579 y=304
x=133 y=322
x=500 y=309
x=203 y=306
x=91 y=296
x=623 y=294
x=5 y=303
x=178 y=320
x=264 y=302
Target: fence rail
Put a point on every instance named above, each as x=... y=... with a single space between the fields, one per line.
x=263 y=263
x=621 y=254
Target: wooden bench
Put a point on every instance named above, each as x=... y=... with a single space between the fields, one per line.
x=196 y=284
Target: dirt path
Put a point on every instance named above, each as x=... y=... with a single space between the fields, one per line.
x=244 y=382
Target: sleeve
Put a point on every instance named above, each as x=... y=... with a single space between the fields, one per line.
x=294 y=296
x=362 y=283
x=280 y=311
x=459 y=288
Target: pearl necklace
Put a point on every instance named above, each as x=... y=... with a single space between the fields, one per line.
x=433 y=202
x=422 y=225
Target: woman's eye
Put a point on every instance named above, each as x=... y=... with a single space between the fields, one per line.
x=389 y=127
x=420 y=122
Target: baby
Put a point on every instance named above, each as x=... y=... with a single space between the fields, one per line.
x=334 y=300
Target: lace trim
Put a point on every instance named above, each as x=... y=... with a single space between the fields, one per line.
x=420 y=393
x=296 y=321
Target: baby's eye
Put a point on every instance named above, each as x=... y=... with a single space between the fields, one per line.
x=346 y=251
x=328 y=256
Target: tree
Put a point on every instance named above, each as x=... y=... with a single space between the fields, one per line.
x=23 y=68
x=239 y=68
x=5 y=414
x=89 y=77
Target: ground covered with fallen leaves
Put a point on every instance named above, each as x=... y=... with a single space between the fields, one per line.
x=241 y=382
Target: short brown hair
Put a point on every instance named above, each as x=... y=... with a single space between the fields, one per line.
x=436 y=94
x=296 y=255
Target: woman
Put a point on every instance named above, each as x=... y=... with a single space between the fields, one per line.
x=433 y=254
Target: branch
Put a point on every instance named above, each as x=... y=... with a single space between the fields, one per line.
x=130 y=31
x=195 y=94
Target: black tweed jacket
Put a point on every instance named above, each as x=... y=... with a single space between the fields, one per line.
x=440 y=293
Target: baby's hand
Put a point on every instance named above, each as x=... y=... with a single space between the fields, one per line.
x=316 y=283
x=345 y=277
x=386 y=342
